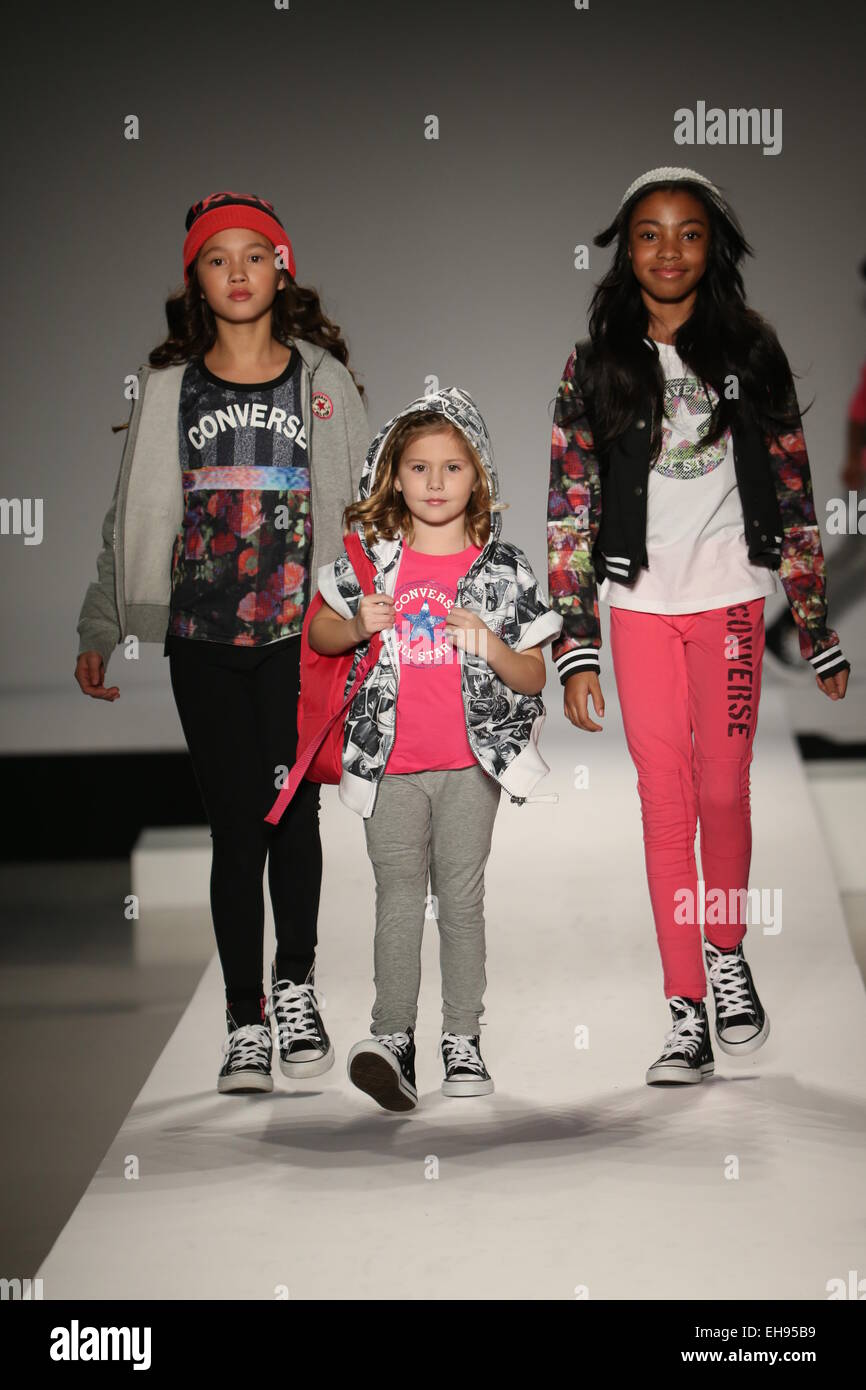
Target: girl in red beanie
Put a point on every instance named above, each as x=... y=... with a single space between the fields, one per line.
x=244 y=446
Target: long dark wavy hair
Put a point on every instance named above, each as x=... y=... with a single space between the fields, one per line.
x=722 y=337
x=296 y=313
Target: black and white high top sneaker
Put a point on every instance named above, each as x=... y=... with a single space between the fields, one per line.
x=305 y=1048
x=247 y=1053
x=742 y=1025
x=465 y=1072
x=384 y=1067
x=687 y=1056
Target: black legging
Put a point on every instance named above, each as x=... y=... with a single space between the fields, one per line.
x=238 y=710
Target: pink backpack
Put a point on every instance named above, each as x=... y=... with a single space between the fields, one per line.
x=322 y=707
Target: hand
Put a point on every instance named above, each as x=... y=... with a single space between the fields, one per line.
x=90 y=674
x=375 y=613
x=834 y=686
x=467 y=631
x=575 y=703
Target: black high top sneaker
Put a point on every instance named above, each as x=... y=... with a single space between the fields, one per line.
x=742 y=1025
x=384 y=1067
x=305 y=1048
x=687 y=1056
x=247 y=1053
x=465 y=1072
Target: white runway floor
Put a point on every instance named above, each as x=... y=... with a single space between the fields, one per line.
x=575 y=1178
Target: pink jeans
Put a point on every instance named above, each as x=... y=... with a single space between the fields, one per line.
x=682 y=677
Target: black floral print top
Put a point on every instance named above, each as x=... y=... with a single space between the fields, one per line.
x=239 y=565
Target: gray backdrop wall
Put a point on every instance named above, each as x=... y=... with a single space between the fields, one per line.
x=450 y=257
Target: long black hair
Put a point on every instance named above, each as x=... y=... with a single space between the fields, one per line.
x=721 y=339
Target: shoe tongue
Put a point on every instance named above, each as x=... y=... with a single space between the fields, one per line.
x=244 y=1012
x=680 y=1006
x=293 y=984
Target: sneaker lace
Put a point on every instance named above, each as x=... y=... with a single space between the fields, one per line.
x=291 y=1007
x=729 y=983
x=686 y=1034
x=462 y=1052
x=248 y=1044
x=395 y=1042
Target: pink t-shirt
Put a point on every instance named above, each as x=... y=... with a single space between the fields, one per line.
x=431 y=724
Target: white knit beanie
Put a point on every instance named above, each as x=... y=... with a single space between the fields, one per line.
x=669 y=174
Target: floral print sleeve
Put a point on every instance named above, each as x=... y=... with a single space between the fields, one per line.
x=803 y=568
x=573 y=519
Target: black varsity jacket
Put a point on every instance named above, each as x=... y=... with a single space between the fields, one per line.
x=596 y=523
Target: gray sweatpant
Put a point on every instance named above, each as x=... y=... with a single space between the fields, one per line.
x=439 y=823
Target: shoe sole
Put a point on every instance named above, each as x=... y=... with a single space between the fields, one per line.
x=678 y=1076
x=743 y=1049
x=467 y=1088
x=244 y=1083
x=315 y=1067
x=378 y=1078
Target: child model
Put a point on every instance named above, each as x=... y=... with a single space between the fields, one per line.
x=449 y=715
x=679 y=478
x=245 y=444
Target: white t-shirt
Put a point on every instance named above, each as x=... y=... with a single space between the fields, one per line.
x=696 y=546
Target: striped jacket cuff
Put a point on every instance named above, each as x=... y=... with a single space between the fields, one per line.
x=828 y=662
x=576 y=660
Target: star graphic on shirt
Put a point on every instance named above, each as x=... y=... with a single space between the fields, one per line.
x=423 y=621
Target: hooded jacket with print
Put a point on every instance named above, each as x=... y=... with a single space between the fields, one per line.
x=132 y=593
x=502 y=726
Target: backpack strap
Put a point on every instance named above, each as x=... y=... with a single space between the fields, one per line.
x=364 y=571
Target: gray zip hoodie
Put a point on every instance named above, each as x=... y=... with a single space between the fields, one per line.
x=502 y=726
x=131 y=596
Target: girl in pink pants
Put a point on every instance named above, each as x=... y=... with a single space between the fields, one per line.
x=700 y=680
x=679 y=482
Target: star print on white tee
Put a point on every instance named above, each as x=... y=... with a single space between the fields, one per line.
x=695 y=534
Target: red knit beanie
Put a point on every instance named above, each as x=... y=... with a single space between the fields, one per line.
x=219 y=211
